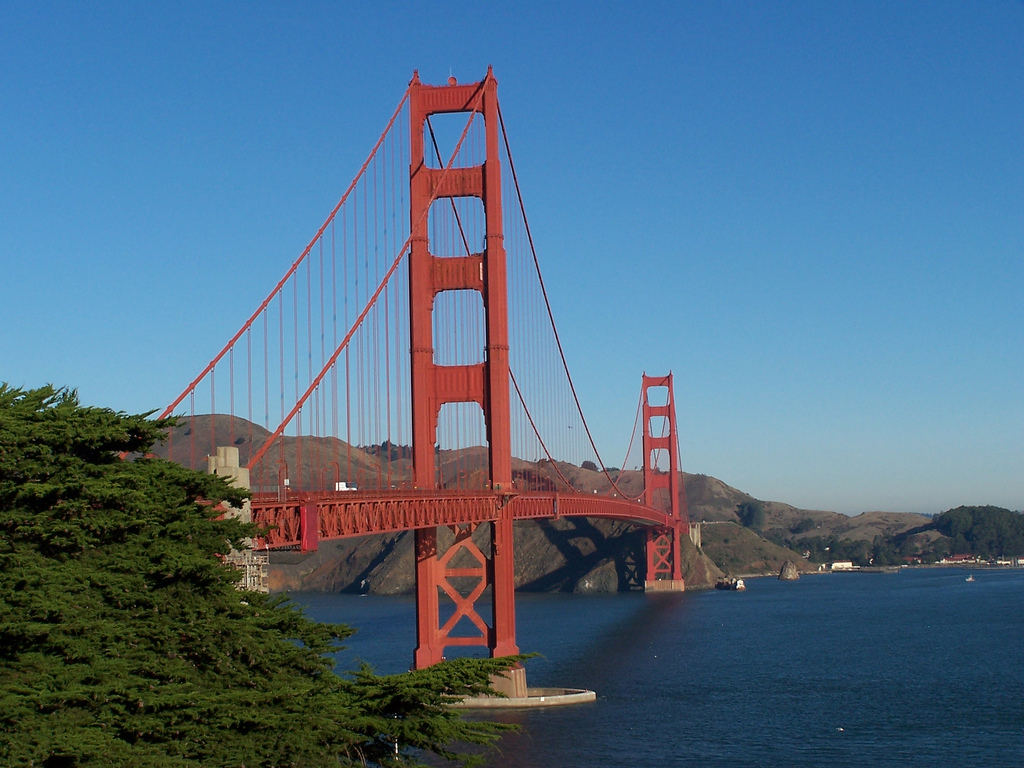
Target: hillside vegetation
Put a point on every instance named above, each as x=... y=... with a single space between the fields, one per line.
x=887 y=538
x=987 y=532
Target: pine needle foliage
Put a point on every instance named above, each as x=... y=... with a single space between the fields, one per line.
x=123 y=640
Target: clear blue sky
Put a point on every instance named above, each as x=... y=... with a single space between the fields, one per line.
x=812 y=212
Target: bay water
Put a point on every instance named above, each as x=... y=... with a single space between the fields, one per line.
x=916 y=668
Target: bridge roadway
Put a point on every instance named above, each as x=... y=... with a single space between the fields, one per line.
x=344 y=514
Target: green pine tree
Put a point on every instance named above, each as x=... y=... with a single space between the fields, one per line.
x=123 y=640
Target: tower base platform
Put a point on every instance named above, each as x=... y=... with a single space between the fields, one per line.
x=665 y=585
x=517 y=696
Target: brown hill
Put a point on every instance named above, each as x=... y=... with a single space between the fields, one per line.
x=196 y=437
x=740 y=551
x=710 y=499
x=575 y=554
x=802 y=523
x=868 y=525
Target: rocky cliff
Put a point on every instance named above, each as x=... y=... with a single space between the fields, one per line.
x=566 y=555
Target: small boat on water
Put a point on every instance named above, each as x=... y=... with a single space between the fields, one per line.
x=731 y=584
x=970 y=578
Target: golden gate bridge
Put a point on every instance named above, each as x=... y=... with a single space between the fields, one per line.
x=406 y=373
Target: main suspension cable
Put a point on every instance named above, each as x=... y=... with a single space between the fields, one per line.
x=547 y=304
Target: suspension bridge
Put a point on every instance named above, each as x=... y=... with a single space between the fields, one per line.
x=406 y=373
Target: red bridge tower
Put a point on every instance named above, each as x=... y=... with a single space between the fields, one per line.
x=485 y=383
x=664 y=569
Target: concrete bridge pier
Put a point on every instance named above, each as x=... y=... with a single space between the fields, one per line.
x=665 y=585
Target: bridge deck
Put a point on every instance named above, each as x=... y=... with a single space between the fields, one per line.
x=345 y=514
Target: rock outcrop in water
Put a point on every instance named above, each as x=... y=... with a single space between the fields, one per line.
x=789 y=571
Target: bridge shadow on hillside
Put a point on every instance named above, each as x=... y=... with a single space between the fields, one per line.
x=624 y=548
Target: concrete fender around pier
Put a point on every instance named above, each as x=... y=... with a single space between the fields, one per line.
x=535 y=697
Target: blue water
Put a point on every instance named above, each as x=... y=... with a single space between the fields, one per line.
x=915 y=668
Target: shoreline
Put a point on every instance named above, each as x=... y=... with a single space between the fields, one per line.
x=890 y=569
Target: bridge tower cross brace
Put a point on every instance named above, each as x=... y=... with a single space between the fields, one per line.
x=485 y=383
x=664 y=566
